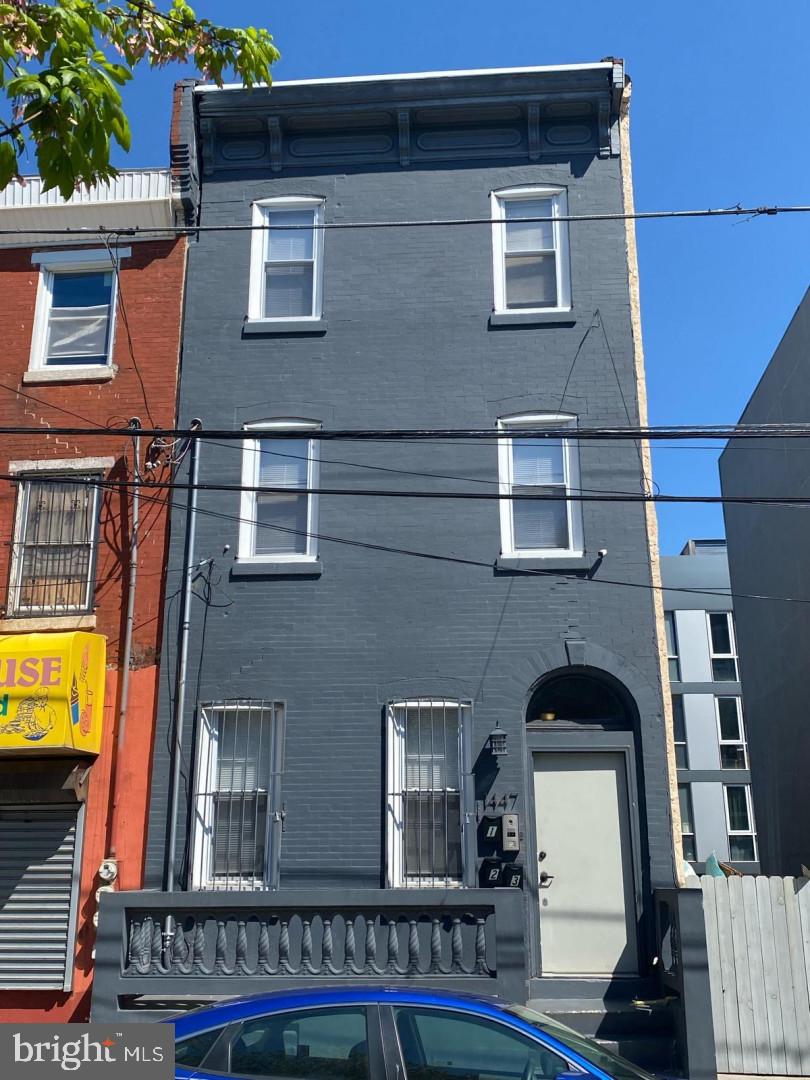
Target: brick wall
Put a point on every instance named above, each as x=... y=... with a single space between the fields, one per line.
x=146 y=357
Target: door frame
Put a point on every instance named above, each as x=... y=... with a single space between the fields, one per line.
x=586 y=739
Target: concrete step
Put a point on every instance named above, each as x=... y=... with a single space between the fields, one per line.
x=642 y=1030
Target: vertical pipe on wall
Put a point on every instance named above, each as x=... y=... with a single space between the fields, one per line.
x=126 y=652
x=182 y=654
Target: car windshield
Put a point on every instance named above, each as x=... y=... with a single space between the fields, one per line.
x=591 y=1051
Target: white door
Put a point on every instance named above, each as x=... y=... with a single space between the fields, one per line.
x=587 y=902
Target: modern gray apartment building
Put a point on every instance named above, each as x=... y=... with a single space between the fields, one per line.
x=767 y=546
x=423 y=736
x=714 y=779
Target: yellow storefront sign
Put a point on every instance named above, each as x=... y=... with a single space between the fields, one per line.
x=51 y=693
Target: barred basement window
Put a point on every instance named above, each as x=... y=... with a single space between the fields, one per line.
x=237 y=807
x=53 y=561
x=428 y=777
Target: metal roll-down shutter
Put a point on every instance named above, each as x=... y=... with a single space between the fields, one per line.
x=39 y=854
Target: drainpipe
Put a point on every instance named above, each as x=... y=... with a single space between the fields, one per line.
x=126 y=653
x=182 y=653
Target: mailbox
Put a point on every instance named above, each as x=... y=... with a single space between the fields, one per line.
x=490 y=873
x=512 y=876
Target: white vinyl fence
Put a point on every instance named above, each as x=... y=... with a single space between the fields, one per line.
x=758 y=938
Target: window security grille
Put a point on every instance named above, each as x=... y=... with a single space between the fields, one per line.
x=54 y=553
x=237 y=812
x=426 y=792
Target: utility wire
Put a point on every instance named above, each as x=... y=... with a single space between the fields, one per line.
x=493 y=481
x=394 y=493
x=612 y=433
x=520 y=572
x=641 y=215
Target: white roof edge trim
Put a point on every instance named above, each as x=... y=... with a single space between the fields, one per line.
x=602 y=65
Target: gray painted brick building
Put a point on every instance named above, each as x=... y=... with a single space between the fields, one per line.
x=355 y=660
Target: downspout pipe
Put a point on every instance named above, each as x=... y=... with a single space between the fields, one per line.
x=126 y=652
x=182 y=653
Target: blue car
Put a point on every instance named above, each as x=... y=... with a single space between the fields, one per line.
x=376 y=1033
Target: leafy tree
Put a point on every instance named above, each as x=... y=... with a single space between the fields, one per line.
x=62 y=64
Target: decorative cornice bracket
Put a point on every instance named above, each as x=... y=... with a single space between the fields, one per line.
x=404 y=127
x=274 y=131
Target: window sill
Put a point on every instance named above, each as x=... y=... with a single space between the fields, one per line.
x=25 y=624
x=270 y=568
x=253 y=327
x=94 y=373
x=510 y=564
x=500 y=319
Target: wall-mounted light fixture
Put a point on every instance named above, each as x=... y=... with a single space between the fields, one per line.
x=497 y=741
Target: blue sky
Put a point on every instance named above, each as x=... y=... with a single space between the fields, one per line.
x=720 y=94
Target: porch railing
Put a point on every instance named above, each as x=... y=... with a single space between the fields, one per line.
x=157 y=952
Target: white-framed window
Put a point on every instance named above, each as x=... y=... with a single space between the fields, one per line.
x=742 y=839
x=286 y=272
x=236 y=807
x=731 y=733
x=687 y=823
x=531 y=262
x=75 y=312
x=679 y=732
x=673 y=659
x=535 y=528
x=279 y=524
x=54 y=551
x=722 y=646
x=425 y=792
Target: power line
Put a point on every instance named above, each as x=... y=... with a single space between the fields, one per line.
x=665 y=432
x=419 y=223
x=519 y=572
x=382 y=468
x=394 y=493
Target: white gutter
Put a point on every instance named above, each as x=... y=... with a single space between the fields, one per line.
x=602 y=65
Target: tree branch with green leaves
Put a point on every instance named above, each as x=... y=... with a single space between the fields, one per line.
x=62 y=65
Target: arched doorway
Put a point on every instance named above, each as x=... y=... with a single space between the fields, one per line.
x=580 y=727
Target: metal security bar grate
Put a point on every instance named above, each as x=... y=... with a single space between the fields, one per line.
x=237 y=816
x=425 y=792
x=53 y=560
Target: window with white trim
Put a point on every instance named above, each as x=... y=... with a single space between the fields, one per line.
x=549 y=468
x=236 y=807
x=54 y=551
x=426 y=795
x=531 y=261
x=279 y=517
x=286 y=278
x=75 y=312
x=742 y=841
x=733 y=748
x=687 y=822
x=722 y=646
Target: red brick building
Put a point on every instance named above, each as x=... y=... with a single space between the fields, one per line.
x=89 y=338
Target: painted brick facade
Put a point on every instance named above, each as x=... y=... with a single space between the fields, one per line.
x=407 y=343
